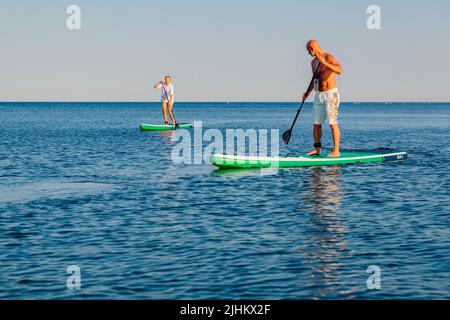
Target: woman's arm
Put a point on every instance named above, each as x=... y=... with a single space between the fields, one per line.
x=158 y=85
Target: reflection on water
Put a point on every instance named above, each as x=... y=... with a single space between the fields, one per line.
x=327 y=246
x=326 y=249
x=237 y=172
x=167 y=135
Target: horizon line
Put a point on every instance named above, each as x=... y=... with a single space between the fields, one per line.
x=225 y=102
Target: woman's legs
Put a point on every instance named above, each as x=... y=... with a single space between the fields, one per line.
x=164 y=110
x=171 y=114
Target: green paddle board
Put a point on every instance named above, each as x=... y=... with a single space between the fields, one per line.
x=292 y=161
x=163 y=127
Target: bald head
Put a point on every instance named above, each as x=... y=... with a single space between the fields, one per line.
x=313 y=47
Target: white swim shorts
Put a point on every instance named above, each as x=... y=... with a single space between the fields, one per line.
x=326 y=106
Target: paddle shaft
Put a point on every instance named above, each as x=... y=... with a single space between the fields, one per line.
x=303 y=101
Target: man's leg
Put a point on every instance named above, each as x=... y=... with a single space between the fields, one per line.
x=171 y=114
x=336 y=139
x=317 y=137
x=332 y=113
x=164 y=110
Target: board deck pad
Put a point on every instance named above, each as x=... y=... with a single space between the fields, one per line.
x=292 y=161
x=163 y=127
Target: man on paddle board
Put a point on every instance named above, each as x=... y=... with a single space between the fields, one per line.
x=327 y=98
x=167 y=97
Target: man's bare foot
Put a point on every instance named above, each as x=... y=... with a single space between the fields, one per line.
x=314 y=153
x=334 y=154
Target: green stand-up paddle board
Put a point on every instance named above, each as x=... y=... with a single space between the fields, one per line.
x=163 y=127
x=292 y=161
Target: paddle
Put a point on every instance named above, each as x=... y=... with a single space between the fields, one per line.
x=287 y=134
x=177 y=126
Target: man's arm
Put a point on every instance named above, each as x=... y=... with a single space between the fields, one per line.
x=331 y=63
x=311 y=86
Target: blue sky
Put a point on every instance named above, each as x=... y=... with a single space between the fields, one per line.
x=234 y=50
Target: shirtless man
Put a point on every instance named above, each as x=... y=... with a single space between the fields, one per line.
x=327 y=99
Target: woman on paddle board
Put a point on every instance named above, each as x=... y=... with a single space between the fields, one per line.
x=167 y=97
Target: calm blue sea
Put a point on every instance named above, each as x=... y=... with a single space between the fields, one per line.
x=81 y=185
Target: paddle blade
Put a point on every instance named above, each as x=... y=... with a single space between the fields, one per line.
x=287 y=136
x=177 y=126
